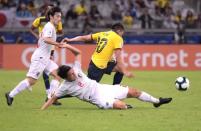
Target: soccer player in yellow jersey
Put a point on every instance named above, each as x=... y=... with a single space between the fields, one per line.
x=108 y=43
x=38 y=24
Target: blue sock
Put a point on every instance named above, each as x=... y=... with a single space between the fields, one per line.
x=46 y=81
x=117 y=78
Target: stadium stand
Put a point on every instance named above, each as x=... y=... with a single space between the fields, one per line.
x=146 y=21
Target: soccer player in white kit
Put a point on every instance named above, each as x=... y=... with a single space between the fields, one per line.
x=40 y=60
x=104 y=96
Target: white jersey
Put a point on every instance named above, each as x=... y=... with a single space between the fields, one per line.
x=83 y=87
x=101 y=95
x=44 y=49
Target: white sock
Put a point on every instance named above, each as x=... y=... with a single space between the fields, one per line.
x=54 y=84
x=148 y=98
x=48 y=91
x=20 y=87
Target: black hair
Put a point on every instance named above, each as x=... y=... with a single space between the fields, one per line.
x=51 y=5
x=63 y=70
x=117 y=26
x=52 y=12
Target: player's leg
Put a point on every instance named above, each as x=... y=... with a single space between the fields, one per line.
x=47 y=82
x=54 y=84
x=24 y=84
x=109 y=97
x=46 y=76
x=143 y=96
x=51 y=69
x=94 y=72
x=35 y=70
x=118 y=76
x=121 y=105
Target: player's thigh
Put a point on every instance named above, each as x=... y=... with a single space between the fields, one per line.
x=110 y=67
x=105 y=102
x=94 y=72
x=36 y=68
x=51 y=67
x=117 y=91
x=109 y=94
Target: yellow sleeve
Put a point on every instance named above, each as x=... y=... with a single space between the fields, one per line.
x=118 y=42
x=36 y=23
x=59 y=27
x=95 y=36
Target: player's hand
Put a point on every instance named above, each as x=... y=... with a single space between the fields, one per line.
x=66 y=40
x=61 y=45
x=129 y=74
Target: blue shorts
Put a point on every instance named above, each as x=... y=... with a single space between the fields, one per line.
x=96 y=73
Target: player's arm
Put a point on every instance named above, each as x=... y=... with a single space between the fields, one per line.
x=80 y=38
x=120 y=65
x=75 y=51
x=34 y=26
x=32 y=31
x=50 y=41
x=46 y=36
x=49 y=102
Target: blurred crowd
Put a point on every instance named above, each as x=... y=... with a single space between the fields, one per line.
x=89 y=14
x=86 y=15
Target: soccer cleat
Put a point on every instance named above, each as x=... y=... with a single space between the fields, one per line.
x=162 y=101
x=128 y=106
x=56 y=103
x=9 y=99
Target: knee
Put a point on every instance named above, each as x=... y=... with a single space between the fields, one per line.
x=119 y=105
x=132 y=92
x=31 y=81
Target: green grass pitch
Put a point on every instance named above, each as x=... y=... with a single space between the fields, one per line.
x=183 y=114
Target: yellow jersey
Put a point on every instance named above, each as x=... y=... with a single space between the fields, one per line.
x=162 y=3
x=80 y=9
x=40 y=23
x=128 y=21
x=106 y=42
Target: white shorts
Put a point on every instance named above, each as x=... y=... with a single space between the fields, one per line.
x=37 y=67
x=106 y=95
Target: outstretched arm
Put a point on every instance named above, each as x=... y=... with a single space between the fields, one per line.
x=49 y=102
x=80 y=38
x=50 y=41
x=120 y=65
x=35 y=25
x=32 y=31
x=74 y=50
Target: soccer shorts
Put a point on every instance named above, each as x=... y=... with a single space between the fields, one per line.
x=96 y=73
x=37 y=66
x=106 y=95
